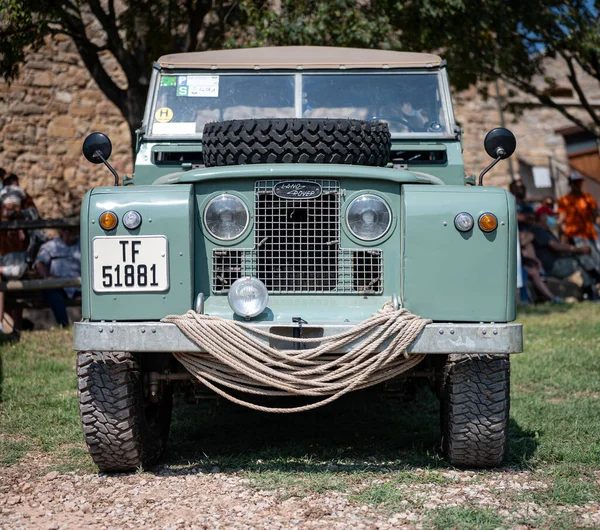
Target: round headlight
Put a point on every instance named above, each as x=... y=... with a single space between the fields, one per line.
x=368 y=217
x=248 y=297
x=463 y=222
x=132 y=219
x=226 y=217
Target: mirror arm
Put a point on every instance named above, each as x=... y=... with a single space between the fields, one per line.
x=98 y=154
x=487 y=169
x=499 y=156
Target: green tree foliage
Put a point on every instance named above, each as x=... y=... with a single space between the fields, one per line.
x=137 y=32
x=481 y=39
x=512 y=40
x=134 y=32
x=316 y=23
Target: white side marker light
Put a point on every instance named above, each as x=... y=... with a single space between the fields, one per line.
x=463 y=222
x=132 y=219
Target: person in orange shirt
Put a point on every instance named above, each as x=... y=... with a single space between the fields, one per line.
x=577 y=213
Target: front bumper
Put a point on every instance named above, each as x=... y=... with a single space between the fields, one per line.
x=436 y=338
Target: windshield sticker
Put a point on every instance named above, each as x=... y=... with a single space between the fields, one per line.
x=174 y=128
x=168 y=81
x=198 y=86
x=163 y=115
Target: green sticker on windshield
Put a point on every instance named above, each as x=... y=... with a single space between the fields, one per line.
x=168 y=81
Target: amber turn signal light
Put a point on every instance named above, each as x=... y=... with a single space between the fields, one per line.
x=488 y=222
x=108 y=220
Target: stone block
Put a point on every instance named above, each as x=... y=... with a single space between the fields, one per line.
x=71 y=58
x=57 y=148
x=79 y=111
x=29 y=156
x=38 y=97
x=43 y=78
x=74 y=150
x=61 y=127
x=13 y=127
x=64 y=97
x=106 y=108
x=37 y=64
x=75 y=77
x=8 y=156
x=88 y=97
x=23 y=109
x=69 y=173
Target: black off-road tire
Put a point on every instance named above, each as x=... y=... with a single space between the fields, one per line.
x=475 y=408
x=316 y=141
x=123 y=431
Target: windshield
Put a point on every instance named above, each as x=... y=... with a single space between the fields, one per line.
x=409 y=102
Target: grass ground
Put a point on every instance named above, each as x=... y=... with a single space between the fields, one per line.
x=381 y=452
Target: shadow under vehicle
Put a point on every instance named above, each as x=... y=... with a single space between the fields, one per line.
x=283 y=195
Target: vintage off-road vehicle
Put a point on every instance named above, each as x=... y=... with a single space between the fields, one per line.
x=287 y=201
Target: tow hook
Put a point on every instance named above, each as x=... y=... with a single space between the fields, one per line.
x=298 y=331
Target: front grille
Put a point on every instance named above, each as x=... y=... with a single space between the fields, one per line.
x=367 y=272
x=297 y=241
x=359 y=271
x=297 y=248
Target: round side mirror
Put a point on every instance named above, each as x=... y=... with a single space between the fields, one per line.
x=500 y=142
x=97 y=142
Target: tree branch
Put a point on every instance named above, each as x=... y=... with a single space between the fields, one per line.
x=196 y=14
x=575 y=82
x=74 y=27
x=592 y=70
x=191 y=38
x=111 y=10
x=114 y=42
x=546 y=100
x=77 y=37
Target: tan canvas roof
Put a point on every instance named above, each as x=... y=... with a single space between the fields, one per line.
x=299 y=57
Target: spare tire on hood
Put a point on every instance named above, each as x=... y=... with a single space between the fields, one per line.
x=295 y=140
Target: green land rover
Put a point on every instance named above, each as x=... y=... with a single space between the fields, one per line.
x=298 y=223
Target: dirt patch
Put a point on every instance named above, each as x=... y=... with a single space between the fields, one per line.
x=196 y=499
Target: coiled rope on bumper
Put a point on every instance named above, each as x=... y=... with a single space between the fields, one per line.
x=238 y=359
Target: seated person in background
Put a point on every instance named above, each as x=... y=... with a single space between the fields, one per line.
x=30 y=213
x=13 y=180
x=547 y=208
x=525 y=210
x=548 y=202
x=13 y=243
x=534 y=268
x=524 y=256
x=560 y=260
x=60 y=258
x=13 y=247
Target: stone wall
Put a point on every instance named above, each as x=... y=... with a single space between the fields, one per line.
x=44 y=116
x=47 y=112
x=534 y=128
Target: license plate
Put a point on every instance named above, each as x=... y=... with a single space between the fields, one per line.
x=132 y=264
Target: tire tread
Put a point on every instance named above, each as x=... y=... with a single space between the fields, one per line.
x=111 y=411
x=475 y=410
x=295 y=140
